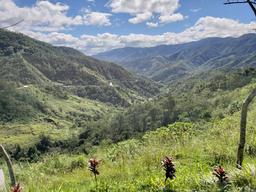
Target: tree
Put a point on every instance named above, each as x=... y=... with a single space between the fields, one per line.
x=243 y=122
x=18 y=153
x=32 y=153
x=168 y=110
x=240 y=151
x=44 y=144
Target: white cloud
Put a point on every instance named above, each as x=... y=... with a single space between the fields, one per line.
x=215 y=27
x=45 y=16
x=139 y=18
x=151 y=24
x=171 y=18
x=141 y=6
x=144 y=10
x=42 y=15
x=205 y=27
x=97 y=18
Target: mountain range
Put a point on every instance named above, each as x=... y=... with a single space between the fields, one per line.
x=168 y=62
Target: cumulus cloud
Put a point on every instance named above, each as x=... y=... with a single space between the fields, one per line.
x=45 y=16
x=142 y=10
x=92 y=44
x=97 y=18
x=215 y=27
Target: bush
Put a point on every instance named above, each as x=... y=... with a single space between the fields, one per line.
x=78 y=163
x=44 y=144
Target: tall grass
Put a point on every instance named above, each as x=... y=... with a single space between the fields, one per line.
x=134 y=165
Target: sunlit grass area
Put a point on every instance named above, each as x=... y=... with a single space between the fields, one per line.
x=134 y=165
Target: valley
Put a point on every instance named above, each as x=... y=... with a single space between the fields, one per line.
x=59 y=108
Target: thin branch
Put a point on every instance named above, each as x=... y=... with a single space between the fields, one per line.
x=252 y=6
x=238 y=2
x=251 y=3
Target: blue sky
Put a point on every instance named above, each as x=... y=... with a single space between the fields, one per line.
x=93 y=26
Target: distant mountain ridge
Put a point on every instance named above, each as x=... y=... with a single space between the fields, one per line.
x=167 y=62
x=25 y=60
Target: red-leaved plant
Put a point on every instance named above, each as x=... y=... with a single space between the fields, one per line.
x=221 y=174
x=17 y=188
x=93 y=165
x=169 y=168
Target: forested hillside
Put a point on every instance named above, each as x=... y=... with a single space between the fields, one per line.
x=202 y=99
x=27 y=61
x=47 y=90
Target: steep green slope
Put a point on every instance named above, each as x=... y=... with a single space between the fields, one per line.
x=28 y=61
x=169 y=62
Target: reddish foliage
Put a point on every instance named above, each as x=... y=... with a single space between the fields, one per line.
x=221 y=174
x=17 y=188
x=169 y=168
x=93 y=165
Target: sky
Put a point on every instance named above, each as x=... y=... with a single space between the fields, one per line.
x=94 y=26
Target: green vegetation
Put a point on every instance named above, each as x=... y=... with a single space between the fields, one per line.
x=30 y=111
x=16 y=104
x=196 y=99
x=197 y=147
x=27 y=61
x=58 y=92
x=59 y=108
x=134 y=165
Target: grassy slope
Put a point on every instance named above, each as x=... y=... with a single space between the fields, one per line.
x=65 y=112
x=134 y=165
